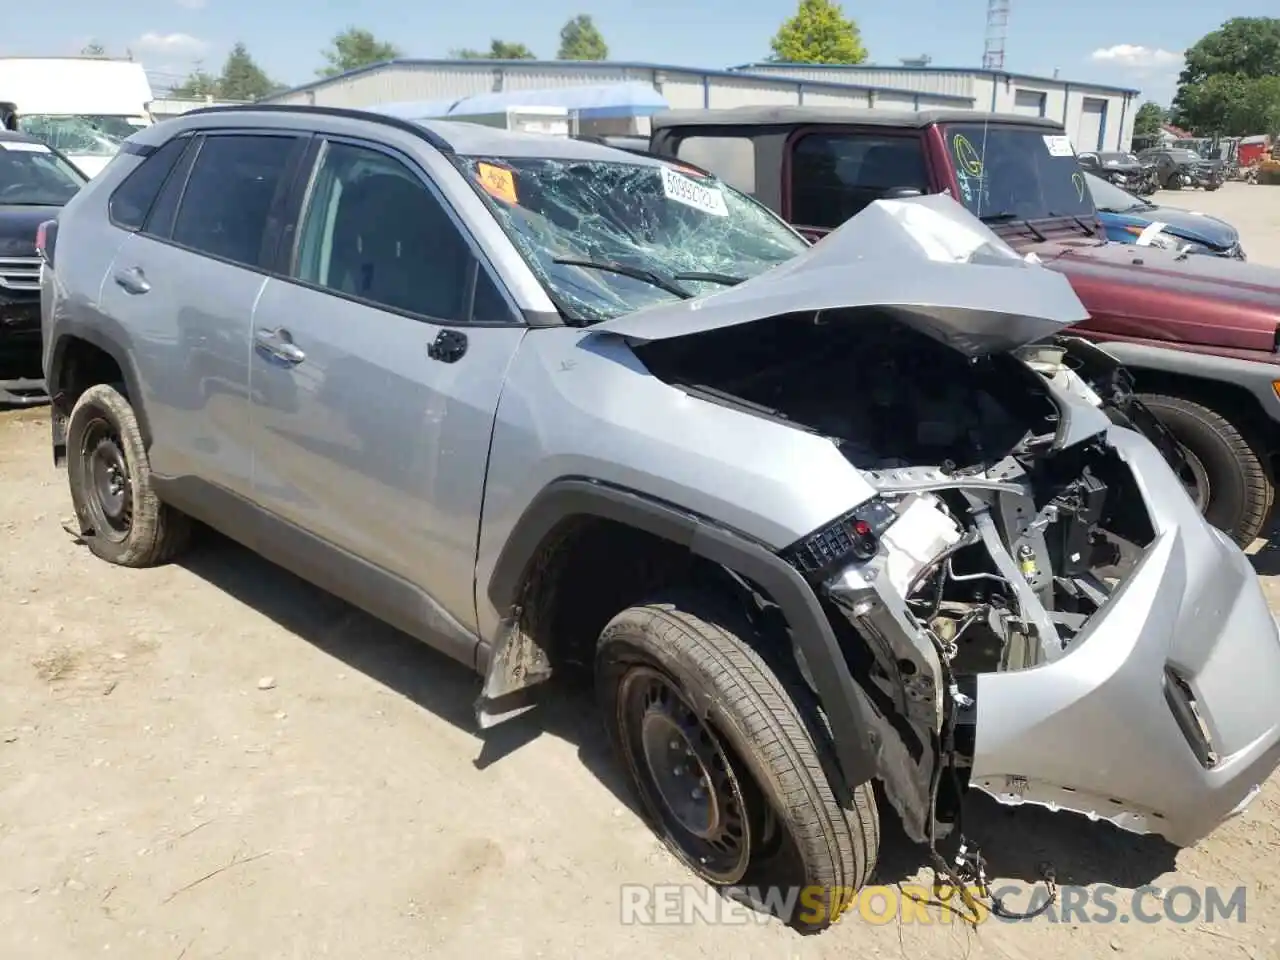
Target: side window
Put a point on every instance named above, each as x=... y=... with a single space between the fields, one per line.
x=835 y=175
x=132 y=200
x=732 y=159
x=373 y=230
x=229 y=194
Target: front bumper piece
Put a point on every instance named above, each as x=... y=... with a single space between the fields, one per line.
x=1161 y=716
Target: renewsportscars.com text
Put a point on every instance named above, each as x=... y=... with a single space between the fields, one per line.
x=675 y=904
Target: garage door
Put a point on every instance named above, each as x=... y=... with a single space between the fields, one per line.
x=1093 y=113
x=1028 y=103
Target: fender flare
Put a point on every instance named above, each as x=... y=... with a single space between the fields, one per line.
x=852 y=729
x=67 y=330
x=1254 y=376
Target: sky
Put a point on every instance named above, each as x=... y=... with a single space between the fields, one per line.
x=1136 y=43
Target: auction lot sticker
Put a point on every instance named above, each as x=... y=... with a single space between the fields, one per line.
x=683 y=190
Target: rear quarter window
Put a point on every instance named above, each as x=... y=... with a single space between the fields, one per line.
x=132 y=200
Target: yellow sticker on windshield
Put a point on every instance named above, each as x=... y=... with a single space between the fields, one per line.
x=1078 y=179
x=966 y=156
x=498 y=182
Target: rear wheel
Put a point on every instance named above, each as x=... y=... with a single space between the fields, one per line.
x=1225 y=476
x=109 y=473
x=731 y=757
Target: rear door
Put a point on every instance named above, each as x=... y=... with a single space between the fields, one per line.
x=377 y=364
x=184 y=286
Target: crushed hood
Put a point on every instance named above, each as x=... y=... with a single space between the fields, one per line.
x=926 y=260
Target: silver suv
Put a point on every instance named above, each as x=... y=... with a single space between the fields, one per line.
x=820 y=516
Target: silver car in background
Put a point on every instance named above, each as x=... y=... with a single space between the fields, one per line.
x=819 y=516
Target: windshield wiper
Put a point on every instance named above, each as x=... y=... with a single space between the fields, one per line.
x=635 y=273
x=722 y=278
x=1079 y=221
x=1016 y=221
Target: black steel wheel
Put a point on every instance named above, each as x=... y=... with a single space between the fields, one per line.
x=685 y=775
x=108 y=486
x=730 y=756
x=121 y=518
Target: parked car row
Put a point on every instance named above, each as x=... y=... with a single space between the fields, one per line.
x=35 y=182
x=821 y=515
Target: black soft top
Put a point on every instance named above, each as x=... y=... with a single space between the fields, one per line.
x=796 y=116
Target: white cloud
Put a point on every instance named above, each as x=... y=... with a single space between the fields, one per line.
x=169 y=44
x=191 y=4
x=1135 y=56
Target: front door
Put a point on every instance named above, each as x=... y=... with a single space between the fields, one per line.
x=375 y=377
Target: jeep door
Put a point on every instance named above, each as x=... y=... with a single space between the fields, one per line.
x=201 y=211
x=379 y=351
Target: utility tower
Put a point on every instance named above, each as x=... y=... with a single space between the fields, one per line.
x=997 y=27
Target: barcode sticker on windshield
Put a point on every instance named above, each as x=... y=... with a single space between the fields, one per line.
x=1059 y=146
x=22 y=146
x=683 y=190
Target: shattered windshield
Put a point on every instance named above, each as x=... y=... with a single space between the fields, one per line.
x=1017 y=173
x=607 y=238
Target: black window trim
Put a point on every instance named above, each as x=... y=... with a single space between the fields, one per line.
x=846 y=130
x=181 y=167
x=284 y=258
x=146 y=152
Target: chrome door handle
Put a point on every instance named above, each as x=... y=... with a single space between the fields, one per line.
x=132 y=280
x=279 y=343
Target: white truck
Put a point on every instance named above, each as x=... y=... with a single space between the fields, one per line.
x=81 y=106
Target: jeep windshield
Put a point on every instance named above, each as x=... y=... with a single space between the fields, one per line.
x=1008 y=173
x=607 y=238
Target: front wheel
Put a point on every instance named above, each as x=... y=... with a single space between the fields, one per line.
x=731 y=758
x=1225 y=475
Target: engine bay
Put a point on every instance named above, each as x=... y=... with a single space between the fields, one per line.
x=886 y=394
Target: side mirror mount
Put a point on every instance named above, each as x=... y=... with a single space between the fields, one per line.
x=901 y=193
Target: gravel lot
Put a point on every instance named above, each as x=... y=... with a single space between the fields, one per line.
x=216 y=760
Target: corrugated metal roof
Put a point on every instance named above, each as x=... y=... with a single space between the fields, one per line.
x=586 y=65
x=766 y=68
x=592 y=101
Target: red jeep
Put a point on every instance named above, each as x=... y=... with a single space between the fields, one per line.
x=1200 y=335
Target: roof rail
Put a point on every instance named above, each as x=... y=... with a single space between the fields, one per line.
x=417 y=129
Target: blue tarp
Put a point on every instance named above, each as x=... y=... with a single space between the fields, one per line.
x=592 y=102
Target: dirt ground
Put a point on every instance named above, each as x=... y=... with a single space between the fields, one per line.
x=216 y=760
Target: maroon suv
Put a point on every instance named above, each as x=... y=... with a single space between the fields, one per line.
x=1200 y=335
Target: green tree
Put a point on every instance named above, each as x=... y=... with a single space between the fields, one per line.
x=354 y=48
x=580 y=39
x=818 y=33
x=1148 y=120
x=1227 y=84
x=199 y=84
x=93 y=49
x=498 y=50
x=242 y=78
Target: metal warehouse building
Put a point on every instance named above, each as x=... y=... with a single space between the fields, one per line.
x=1096 y=117
x=682 y=87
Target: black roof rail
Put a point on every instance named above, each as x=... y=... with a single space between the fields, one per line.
x=433 y=138
x=604 y=142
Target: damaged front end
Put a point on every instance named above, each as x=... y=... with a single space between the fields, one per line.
x=1030 y=603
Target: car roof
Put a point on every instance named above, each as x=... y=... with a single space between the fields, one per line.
x=451 y=136
x=767 y=116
